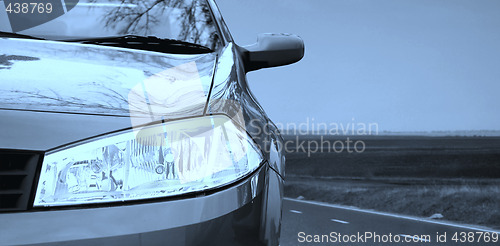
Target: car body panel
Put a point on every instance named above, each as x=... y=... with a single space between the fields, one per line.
x=92 y=79
x=42 y=131
x=189 y=221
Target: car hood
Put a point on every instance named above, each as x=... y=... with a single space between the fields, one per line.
x=54 y=93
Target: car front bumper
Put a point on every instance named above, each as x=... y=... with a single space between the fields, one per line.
x=245 y=213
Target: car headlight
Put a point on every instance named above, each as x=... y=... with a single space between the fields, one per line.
x=161 y=160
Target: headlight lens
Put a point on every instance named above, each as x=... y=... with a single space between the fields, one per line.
x=160 y=160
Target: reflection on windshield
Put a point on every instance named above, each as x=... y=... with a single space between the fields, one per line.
x=185 y=20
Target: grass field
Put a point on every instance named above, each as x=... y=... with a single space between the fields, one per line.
x=458 y=177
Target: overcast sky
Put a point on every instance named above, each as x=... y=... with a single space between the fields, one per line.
x=406 y=65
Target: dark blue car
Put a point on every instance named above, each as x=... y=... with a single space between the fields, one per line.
x=131 y=123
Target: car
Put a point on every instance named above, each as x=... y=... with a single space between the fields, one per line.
x=127 y=122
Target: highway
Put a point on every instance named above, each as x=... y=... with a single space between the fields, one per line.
x=305 y=222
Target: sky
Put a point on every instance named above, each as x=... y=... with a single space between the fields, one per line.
x=406 y=65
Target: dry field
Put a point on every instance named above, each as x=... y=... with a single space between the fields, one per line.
x=457 y=177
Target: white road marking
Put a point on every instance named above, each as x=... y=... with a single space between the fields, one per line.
x=393 y=215
x=415 y=237
x=295 y=211
x=340 y=221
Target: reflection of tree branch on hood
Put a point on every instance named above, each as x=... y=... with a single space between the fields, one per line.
x=137 y=17
x=6 y=61
x=106 y=105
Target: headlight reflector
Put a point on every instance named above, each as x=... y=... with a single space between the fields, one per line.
x=160 y=160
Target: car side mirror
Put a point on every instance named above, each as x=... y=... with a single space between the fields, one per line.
x=272 y=50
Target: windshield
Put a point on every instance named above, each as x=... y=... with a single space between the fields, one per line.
x=184 y=20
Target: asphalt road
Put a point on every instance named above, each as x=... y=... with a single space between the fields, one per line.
x=304 y=222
